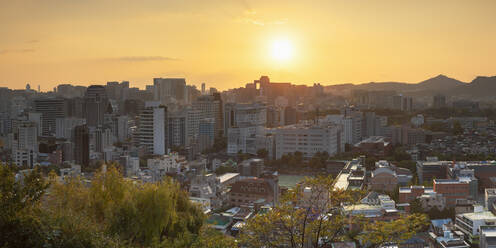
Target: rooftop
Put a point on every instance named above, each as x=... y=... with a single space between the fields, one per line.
x=483 y=215
x=448 y=181
x=226 y=177
x=218 y=220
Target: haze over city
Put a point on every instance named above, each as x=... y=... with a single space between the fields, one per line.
x=228 y=43
x=247 y=124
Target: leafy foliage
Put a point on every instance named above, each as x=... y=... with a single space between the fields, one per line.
x=311 y=215
x=302 y=219
x=110 y=212
x=387 y=232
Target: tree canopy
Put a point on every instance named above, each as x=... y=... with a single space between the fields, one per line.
x=109 y=212
x=312 y=215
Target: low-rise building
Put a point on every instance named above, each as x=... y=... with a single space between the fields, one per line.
x=489 y=198
x=352 y=176
x=220 y=222
x=408 y=194
x=309 y=139
x=383 y=178
x=443 y=235
x=247 y=191
x=378 y=146
x=452 y=190
x=470 y=223
x=487 y=238
x=384 y=209
x=171 y=163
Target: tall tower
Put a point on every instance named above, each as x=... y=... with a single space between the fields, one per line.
x=153 y=129
x=50 y=109
x=81 y=145
x=96 y=103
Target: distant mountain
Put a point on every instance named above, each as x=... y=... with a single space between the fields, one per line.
x=439 y=83
x=479 y=87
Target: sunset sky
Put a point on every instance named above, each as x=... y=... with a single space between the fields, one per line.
x=229 y=43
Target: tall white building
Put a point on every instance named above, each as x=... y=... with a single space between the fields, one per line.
x=309 y=139
x=192 y=124
x=25 y=144
x=153 y=128
x=352 y=126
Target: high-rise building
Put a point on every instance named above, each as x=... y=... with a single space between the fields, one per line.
x=177 y=128
x=168 y=88
x=65 y=126
x=210 y=106
x=353 y=125
x=153 y=129
x=401 y=102
x=116 y=90
x=70 y=91
x=96 y=104
x=243 y=123
x=206 y=133
x=439 y=101
x=36 y=118
x=122 y=123
x=50 y=109
x=244 y=115
x=81 y=139
x=192 y=124
x=5 y=123
x=25 y=137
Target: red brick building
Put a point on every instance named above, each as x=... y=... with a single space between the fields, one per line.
x=452 y=190
x=406 y=195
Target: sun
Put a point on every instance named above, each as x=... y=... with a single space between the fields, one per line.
x=281 y=50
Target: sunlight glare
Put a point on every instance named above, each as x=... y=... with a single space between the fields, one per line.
x=282 y=50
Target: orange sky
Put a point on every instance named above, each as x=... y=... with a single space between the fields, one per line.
x=227 y=43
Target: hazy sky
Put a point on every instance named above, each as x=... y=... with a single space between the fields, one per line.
x=228 y=43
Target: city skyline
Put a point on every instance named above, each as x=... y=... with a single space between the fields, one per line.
x=228 y=44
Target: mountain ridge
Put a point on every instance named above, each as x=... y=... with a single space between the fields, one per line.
x=481 y=86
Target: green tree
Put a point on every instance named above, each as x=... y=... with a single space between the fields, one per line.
x=20 y=225
x=386 y=232
x=24 y=222
x=302 y=219
x=143 y=215
x=416 y=206
x=315 y=218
